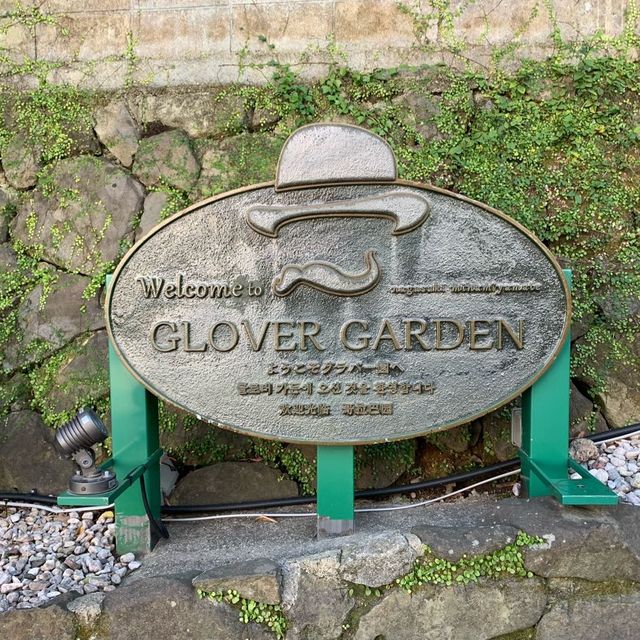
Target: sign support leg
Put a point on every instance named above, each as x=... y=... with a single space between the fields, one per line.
x=335 y=491
x=135 y=438
x=544 y=452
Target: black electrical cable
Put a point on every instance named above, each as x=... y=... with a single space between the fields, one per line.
x=615 y=433
x=368 y=493
x=29 y=497
x=499 y=467
x=157 y=525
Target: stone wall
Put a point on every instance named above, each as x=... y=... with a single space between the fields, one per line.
x=110 y=43
x=466 y=573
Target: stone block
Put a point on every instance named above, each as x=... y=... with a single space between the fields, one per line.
x=82 y=375
x=37 y=624
x=232 y=482
x=178 y=34
x=102 y=6
x=87 y=36
x=198 y=113
x=380 y=559
x=451 y=543
x=21 y=162
x=314 y=598
x=18 y=41
x=605 y=618
x=480 y=610
x=375 y=24
x=254 y=580
x=50 y=321
x=492 y=22
x=167 y=607
x=167 y=157
x=288 y=26
x=621 y=402
x=577 y=20
x=80 y=229
x=118 y=131
x=109 y=75
x=154 y=203
x=28 y=460
x=596 y=553
x=179 y=4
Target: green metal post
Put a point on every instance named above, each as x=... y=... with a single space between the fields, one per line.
x=335 y=491
x=545 y=424
x=544 y=451
x=135 y=441
x=134 y=436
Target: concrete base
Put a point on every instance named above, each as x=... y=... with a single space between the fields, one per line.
x=134 y=535
x=330 y=528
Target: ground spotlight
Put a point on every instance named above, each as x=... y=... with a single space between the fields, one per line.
x=74 y=440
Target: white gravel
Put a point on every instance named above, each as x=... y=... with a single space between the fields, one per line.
x=616 y=464
x=43 y=555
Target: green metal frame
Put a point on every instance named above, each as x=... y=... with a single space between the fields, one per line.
x=544 y=450
x=135 y=444
x=136 y=451
x=335 y=473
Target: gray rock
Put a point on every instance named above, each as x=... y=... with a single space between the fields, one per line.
x=452 y=440
x=380 y=559
x=168 y=608
x=15 y=394
x=583 y=450
x=8 y=198
x=262 y=118
x=255 y=580
x=423 y=109
x=314 y=598
x=600 y=552
x=213 y=161
x=600 y=474
x=621 y=402
x=82 y=221
x=378 y=471
x=37 y=624
x=82 y=374
x=451 y=543
x=184 y=440
x=167 y=157
x=8 y=258
x=50 y=320
x=28 y=459
x=199 y=113
x=118 y=131
x=154 y=203
x=232 y=482
x=607 y=618
x=496 y=429
x=580 y=412
x=21 y=162
x=481 y=610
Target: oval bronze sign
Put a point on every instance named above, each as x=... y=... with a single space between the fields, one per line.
x=338 y=305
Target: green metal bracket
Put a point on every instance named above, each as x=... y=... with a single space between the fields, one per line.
x=335 y=473
x=544 y=452
x=136 y=451
x=107 y=498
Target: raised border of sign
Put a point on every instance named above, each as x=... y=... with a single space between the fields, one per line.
x=399 y=182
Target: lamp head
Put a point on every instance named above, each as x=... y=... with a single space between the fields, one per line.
x=81 y=432
x=74 y=439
